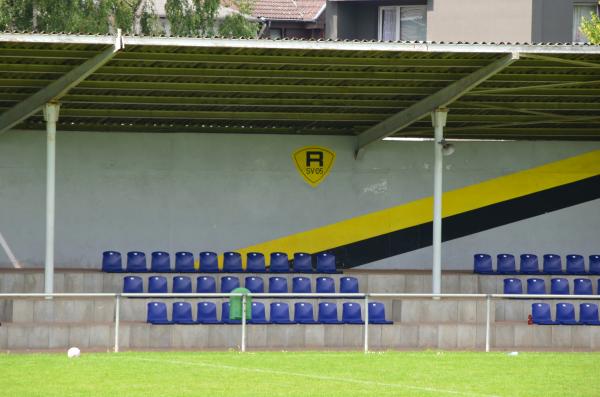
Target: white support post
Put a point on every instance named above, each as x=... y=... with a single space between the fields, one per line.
x=366 y=323
x=243 y=323
x=117 y=321
x=51 y=116
x=488 y=309
x=439 y=122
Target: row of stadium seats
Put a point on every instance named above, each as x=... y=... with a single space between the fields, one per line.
x=208 y=284
x=529 y=264
x=558 y=286
x=565 y=314
x=209 y=262
x=279 y=314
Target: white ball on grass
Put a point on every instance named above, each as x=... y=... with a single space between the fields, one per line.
x=73 y=352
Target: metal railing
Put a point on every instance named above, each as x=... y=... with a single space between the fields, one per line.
x=364 y=296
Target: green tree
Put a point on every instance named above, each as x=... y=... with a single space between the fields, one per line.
x=591 y=28
x=192 y=17
x=239 y=24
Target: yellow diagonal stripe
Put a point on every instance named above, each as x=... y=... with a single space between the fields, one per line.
x=421 y=211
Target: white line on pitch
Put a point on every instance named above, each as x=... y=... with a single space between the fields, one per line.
x=311 y=376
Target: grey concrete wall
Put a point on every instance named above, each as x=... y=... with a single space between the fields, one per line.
x=552 y=21
x=220 y=192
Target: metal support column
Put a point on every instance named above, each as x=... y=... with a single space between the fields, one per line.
x=51 y=116
x=488 y=310
x=366 y=323
x=439 y=122
x=117 y=321
x=243 y=323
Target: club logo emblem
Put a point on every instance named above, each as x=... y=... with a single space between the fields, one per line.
x=313 y=163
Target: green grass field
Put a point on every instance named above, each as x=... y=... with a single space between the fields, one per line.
x=300 y=374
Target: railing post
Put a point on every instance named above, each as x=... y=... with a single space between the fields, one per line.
x=488 y=304
x=117 y=317
x=243 y=323
x=366 y=323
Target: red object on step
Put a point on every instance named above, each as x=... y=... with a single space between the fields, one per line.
x=529 y=320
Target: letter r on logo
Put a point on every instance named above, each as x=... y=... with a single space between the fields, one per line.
x=314 y=157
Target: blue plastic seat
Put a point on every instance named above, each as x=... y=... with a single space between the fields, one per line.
x=301 y=285
x=279 y=263
x=513 y=286
x=529 y=264
x=351 y=313
x=229 y=283
x=575 y=264
x=595 y=264
x=158 y=285
x=111 y=262
x=255 y=284
x=160 y=262
x=280 y=313
x=182 y=285
x=303 y=262
x=207 y=313
x=326 y=263
x=552 y=264
x=206 y=284
x=506 y=264
x=232 y=262
x=349 y=285
x=225 y=315
x=540 y=314
x=209 y=262
x=536 y=286
x=582 y=286
x=136 y=262
x=182 y=313
x=559 y=286
x=565 y=314
x=588 y=314
x=482 y=264
x=258 y=314
x=255 y=263
x=278 y=285
x=377 y=313
x=325 y=285
x=303 y=313
x=184 y=262
x=328 y=313
x=157 y=313
x=133 y=285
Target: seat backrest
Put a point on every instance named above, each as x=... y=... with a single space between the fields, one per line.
x=376 y=311
x=303 y=262
x=157 y=285
x=327 y=311
x=255 y=284
x=278 y=285
x=280 y=311
x=184 y=262
x=506 y=263
x=209 y=262
x=160 y=262
x=133 y=285
x=279 y=263
x=351 y=312
x=255 y=262
x=229 y=283
x=348 y=285
x=182 y=312
x=301 y=285
x=575 y=264
x=325 y=263
x=541 y=312
x=207 y=311
x=206 y=284
x=303 y=311
x=513 y=286
x=529 y=263
x=225 y=314
x=588 y=312
x=482 y=263
x=182 y=285
x=325 y=285
x=232 y=262
x=136 y=261
x=536 y=286
x=559 y=286
x=594 y=264
x=582 y=286
x=258 y=311
x=552 y=264
x=565 y=312
x=157 y=312
x=111 y=261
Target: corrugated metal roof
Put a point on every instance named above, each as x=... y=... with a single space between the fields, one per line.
x=304 y=87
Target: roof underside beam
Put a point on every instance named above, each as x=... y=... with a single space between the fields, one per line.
x=58 y=88
x=441 y=98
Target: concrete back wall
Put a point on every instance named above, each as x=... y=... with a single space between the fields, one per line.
x=220 y=192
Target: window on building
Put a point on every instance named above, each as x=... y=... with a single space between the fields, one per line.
x=581 y=11
x=402 y=23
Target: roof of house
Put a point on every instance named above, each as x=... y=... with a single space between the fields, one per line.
x=292 y=10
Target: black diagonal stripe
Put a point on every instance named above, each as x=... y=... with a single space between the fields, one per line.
x=466 y=223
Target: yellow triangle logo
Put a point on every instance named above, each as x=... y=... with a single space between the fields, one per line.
x=313 y=163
